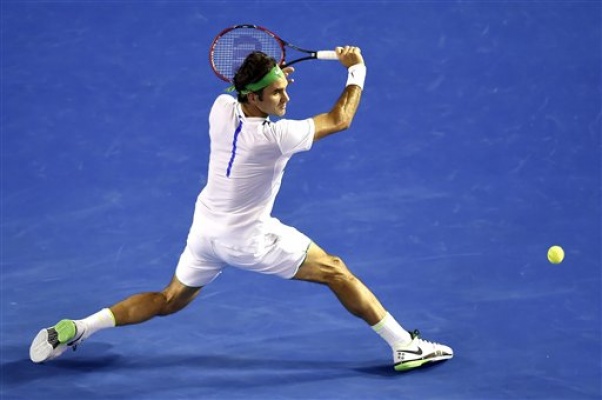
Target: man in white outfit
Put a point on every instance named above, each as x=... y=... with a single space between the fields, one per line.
x=233 y=225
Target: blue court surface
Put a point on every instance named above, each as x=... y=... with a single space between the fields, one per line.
x=476 y=148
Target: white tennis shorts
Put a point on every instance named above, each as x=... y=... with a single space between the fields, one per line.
x=279 y=250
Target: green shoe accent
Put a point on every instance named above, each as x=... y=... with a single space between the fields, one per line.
x=410 y=365
x=66 y=330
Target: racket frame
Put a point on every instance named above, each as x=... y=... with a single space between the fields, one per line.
x=311 y=54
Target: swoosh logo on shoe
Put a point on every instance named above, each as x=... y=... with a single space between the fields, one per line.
x=418 y=352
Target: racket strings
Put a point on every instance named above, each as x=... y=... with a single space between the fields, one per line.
x=231 y=49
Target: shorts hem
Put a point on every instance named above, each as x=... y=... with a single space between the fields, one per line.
x=302 y=261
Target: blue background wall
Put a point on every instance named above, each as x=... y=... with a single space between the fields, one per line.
x=476 y=147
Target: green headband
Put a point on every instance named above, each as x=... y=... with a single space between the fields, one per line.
x=269 y=78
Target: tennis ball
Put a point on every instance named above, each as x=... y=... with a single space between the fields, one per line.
x=555 y=254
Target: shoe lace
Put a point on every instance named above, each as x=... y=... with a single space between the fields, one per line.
x=416 y=335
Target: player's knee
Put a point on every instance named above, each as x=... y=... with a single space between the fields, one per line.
x=172 y=304
x=335 y=270
x=176 y=296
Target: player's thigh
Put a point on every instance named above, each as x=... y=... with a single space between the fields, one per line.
x=279 y=250
x=321 y=267
x=198 y=265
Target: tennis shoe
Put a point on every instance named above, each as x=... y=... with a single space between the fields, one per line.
x=419 y=352
x=51 y=342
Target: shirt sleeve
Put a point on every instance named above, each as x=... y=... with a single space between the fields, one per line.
x=292 y=136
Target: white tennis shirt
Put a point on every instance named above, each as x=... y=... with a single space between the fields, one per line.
x=246 y=163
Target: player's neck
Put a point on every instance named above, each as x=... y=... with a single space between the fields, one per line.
x=252 y=111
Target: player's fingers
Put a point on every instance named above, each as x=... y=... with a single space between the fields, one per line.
x=347 y=54
x=351 y=49
x=288 y=70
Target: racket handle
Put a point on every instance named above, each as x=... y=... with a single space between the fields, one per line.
x=326 y=55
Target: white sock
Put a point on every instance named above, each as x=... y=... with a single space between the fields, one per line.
x=391 y=331
x=96 y=322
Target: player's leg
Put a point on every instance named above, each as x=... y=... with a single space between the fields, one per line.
x=51 y=342
x=321 y=267
x=144 y=306
x=194 y=271
x=409 y=351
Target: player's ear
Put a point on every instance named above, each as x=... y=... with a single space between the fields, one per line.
x=251 y=97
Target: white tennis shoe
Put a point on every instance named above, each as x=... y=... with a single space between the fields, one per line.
x=51 y=342
x=419 y=352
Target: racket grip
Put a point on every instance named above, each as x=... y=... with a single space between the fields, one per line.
x=326 y=55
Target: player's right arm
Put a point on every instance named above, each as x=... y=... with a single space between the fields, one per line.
x=341 y=115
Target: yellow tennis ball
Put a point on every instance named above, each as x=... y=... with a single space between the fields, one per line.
x=555 y=254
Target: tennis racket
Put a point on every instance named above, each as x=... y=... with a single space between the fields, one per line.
x=232 y=45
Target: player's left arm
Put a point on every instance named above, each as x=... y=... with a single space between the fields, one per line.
x=341 y=115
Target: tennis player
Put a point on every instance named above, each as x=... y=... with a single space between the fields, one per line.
x=233 y=226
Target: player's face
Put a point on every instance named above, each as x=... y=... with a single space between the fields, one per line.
x=274 y=99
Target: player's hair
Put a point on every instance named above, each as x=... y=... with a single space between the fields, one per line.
x=253 y=68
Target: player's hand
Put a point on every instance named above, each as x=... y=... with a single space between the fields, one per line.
x=287 y=71
x=349 y=55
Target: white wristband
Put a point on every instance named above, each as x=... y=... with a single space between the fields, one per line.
x=357 y=75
